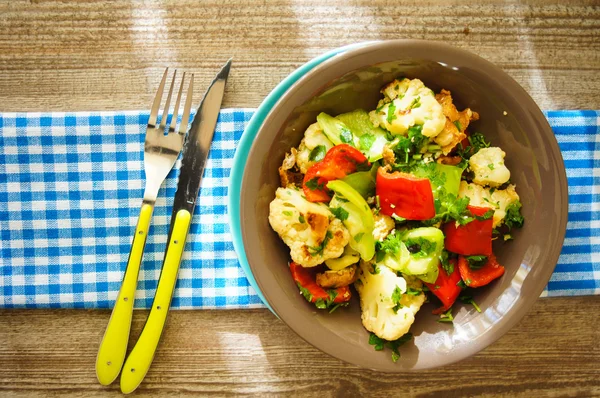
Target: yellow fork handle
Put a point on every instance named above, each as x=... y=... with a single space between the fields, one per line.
x=111 y=353
x=139 y=360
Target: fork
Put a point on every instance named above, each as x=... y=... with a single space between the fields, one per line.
x=161 y=149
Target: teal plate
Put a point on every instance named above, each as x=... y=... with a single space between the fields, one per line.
x=241 y=154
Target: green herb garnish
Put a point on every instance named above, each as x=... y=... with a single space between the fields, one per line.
x=476 y=262
x=415 y=103
x=477 y=141
x=468 y=299
x=379 y=344
x=319 y=249
x=391 y=113
x=314 y=184
x=446 y=316
x=513 y=218
x=396 y=297
x=340 y=213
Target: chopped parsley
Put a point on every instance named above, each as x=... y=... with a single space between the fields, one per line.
x=413 y=292
x=340 y=213
x=476 y=262
x=415 y=103
x=468 y=299
x=375 y=269
x=398 y=218
x=313 y=184
x=358 y=236
x=416 y=137
x=317 y=153
x=477 y=141
x=406 y=146
x=396 y=297
x=304 y=291
x=338 y=305
x=379 y=344
x=287 y=213
x=301 y=219
x=446 y=316
x=491 y=166
x=324 y=304
x=391 y=114
x=485 y=216
x=319 y=249
x=445 y=261
x=420 y=247
x=392 y=244
x=513 y=218
x=458 y=125
x=461 y=284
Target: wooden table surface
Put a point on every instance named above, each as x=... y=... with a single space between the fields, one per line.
x=90 y=55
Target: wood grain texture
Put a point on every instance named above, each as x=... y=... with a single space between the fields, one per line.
x=552 y=351
x=89 y=55
x=110 y=55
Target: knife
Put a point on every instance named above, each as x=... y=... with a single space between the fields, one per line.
x=195 y=153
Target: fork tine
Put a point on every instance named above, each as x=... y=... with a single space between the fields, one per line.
x=176 y=109
x=157 y=98
x=163 y=121
x=186 y=109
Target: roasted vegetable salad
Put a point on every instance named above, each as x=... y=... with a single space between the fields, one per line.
x=402 y=203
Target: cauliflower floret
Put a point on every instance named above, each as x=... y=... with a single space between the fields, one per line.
x=488 y=166
x=383 y=226
x=408 y=103
x=309 y=229
x=382 y=312
x=499 y=200
x=313 y=137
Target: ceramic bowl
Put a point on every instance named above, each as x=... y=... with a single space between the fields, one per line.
x=509 y=117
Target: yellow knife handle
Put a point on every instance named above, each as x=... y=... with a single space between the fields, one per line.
x=111 y=353
x=139 y=360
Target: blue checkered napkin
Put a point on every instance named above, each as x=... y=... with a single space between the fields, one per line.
x=70 y=192
x=578 y=268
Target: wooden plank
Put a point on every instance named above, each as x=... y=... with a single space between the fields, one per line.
x=110 y=55
x=554 y=349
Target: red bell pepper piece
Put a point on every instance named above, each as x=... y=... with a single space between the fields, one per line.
x=482 y=276
x=339 y=161
x=446 y=287
x=472 y=238
x=404 y=195
x=305 y=277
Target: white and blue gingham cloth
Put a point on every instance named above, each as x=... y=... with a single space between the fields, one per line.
x=70 y=191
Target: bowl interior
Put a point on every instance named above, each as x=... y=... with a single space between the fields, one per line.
x=508 y=117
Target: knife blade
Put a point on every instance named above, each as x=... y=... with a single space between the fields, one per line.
x=195 y=154
x=197 y=146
